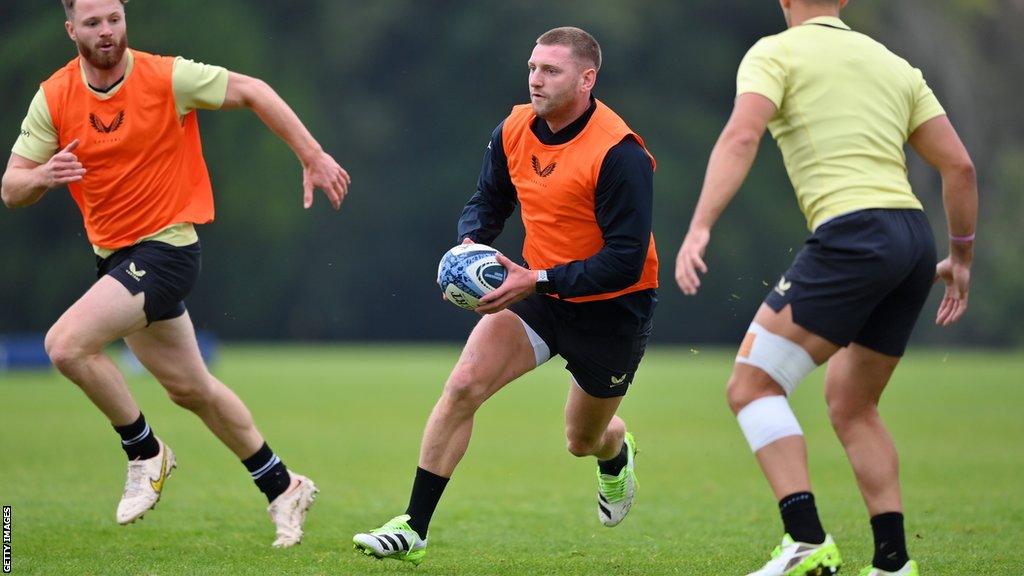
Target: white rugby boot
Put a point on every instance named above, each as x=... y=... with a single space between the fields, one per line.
x=145 y=484
x=288 y=510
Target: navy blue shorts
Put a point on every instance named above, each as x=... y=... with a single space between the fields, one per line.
x=862 y=277
x=164 y=273
x=602 y=342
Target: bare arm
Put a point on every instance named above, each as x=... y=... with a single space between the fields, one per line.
x=937 y=142
x=319 y=170
x=25 y=181
x=728 y=167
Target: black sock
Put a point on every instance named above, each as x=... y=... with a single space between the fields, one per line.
x=268 y=472
x=138 y=440
x=426 y=493
x=890 y=542
x=615 y=465
x=800 y=517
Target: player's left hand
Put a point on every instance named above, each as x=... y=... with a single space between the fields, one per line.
x=519 y=283
x=956 y=274
x=324 y=173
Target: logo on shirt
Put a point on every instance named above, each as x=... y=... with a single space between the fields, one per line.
x=545 y=171
x=102 y=128
x=25 y=133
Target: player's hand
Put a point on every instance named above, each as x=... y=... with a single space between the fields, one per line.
x=690 y=260
x=519 y=283
x=62 y=168
x=324 y=173
x=466 y=240
x=957 y=276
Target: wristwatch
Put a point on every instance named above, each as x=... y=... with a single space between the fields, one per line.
x=543 y=285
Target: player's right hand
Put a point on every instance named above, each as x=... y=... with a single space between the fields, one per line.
x=466 y=240
x=957 y=276
x=62 y=168
x=690 y=260
x=326 y=174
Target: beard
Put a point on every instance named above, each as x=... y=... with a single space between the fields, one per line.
x=104 y=60
x=552 y=104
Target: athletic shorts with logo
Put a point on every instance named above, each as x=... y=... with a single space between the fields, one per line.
x=602 y=342
x=164 y=273
x=862 y=277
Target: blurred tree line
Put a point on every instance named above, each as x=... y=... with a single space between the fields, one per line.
x=405 y=94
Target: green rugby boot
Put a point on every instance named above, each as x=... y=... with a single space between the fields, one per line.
x=395 y=539
x=793 y=558
x=615 y=493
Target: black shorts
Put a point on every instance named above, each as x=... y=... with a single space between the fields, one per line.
x=602 y=342
x=862 y=277
x=164 y=273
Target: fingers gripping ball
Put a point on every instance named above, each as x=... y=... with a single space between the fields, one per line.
x=469 y=271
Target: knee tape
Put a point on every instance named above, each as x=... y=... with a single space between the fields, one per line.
x=766 y=420
x=786 y=362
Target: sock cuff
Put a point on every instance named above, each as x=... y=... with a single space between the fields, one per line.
x=623 y=452
x=139 y=438
x=887 y=518
x=797 y=501
x=429 y=476
x=261 y=462
x=134 y=432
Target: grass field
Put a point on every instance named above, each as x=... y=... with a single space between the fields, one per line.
x=351 y=417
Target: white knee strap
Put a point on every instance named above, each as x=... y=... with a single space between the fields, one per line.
x=786 y=362
x=766 y=420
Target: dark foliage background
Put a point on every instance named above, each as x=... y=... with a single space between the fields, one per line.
x=405 y=94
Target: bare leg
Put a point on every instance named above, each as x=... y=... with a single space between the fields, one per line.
x=105 y=313
x=168 y=349
x=497 y=352
x=591 y=426
x=784 y=462
x=853 y=386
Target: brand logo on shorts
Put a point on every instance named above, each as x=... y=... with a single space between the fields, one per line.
x=135 y=272
x=619 y=380
x=783 y=286
x=545 y=171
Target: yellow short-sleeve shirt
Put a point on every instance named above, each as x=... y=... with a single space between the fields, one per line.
x=846 y=106
x=196 y=86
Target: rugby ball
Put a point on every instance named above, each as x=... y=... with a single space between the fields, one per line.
x=469 y=271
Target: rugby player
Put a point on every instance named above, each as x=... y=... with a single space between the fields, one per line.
x=584 y=182
x=118 y=127
x=841 y=107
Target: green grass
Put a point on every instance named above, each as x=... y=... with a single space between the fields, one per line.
x=351 y=418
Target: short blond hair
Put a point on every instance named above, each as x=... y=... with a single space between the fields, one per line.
x=69 y=7
x=583 y=45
